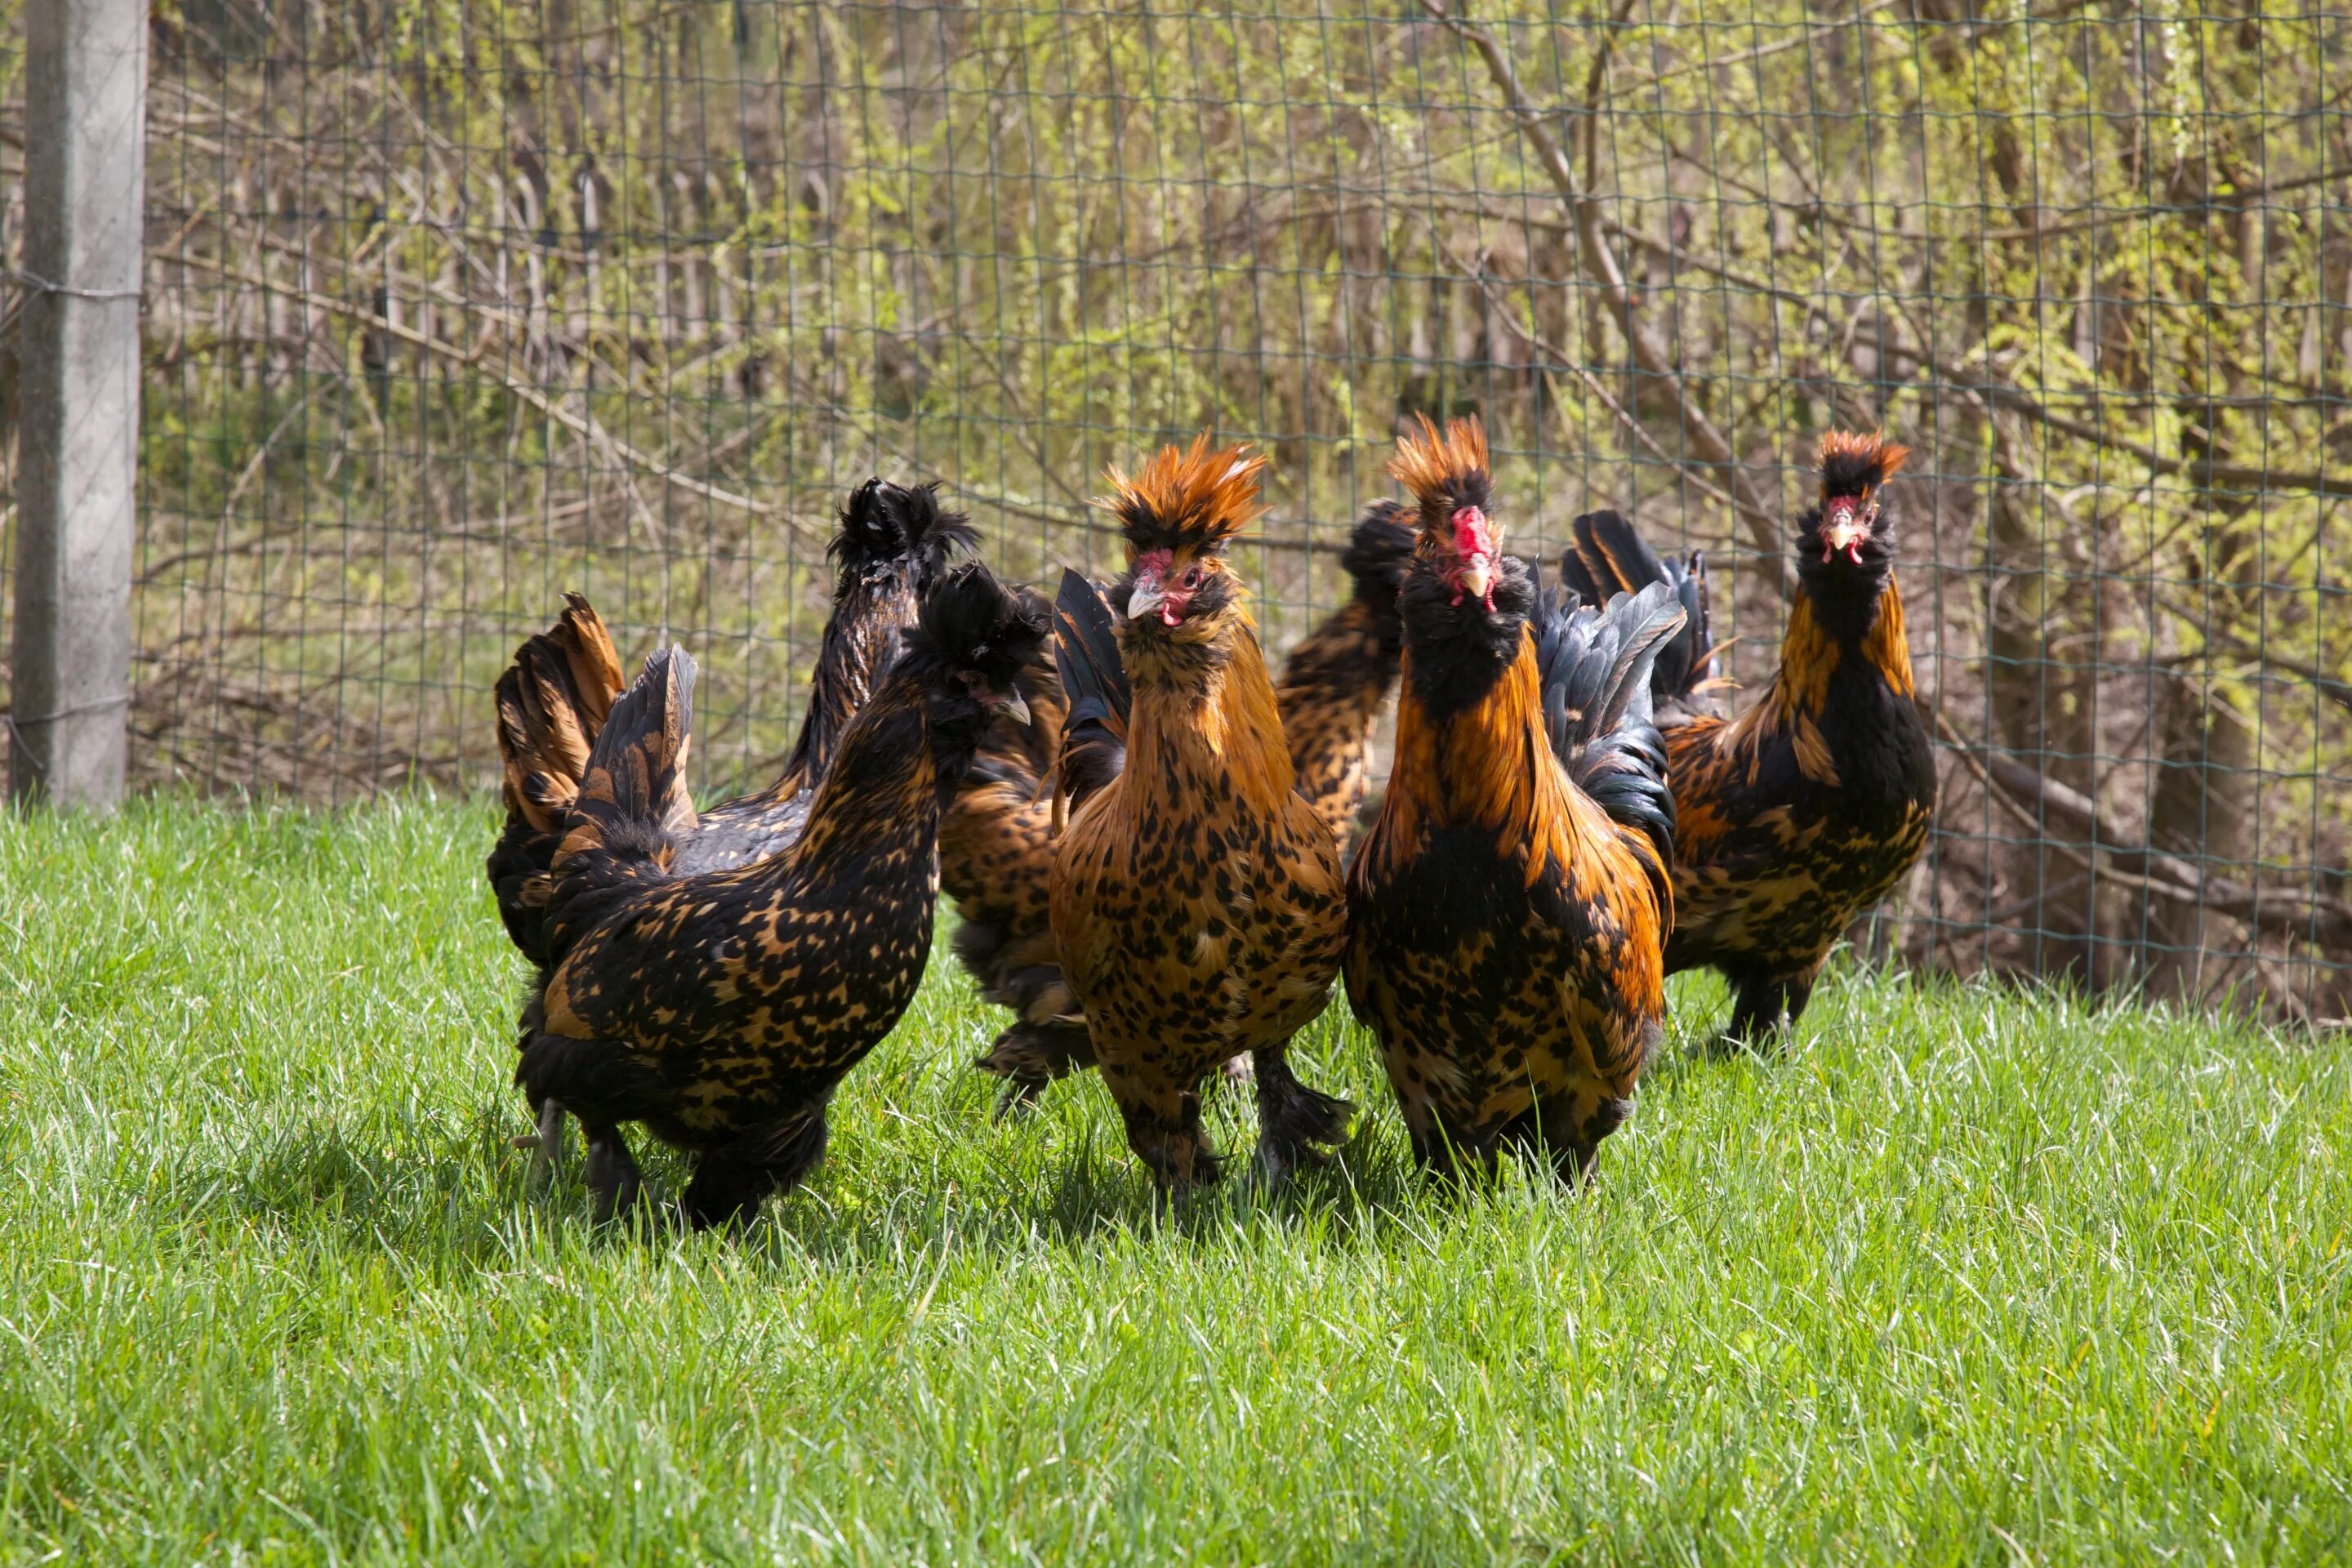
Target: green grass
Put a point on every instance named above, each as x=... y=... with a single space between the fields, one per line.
x=1966 y=1276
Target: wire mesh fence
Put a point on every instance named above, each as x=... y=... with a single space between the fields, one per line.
x=450 y=308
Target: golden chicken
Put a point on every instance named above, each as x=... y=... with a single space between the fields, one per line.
x=1805 y=811
x=1195 y=902
x=996 y=850
x=1509 y=907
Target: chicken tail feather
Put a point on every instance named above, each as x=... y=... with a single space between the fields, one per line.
x=1596 y=665
x=551 y=702
x=620 y=832
x=1607 y=558
x=1094 y=682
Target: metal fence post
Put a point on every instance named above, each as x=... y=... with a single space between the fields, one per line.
x=85 y=93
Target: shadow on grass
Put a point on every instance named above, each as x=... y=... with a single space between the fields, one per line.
x=452 y=1193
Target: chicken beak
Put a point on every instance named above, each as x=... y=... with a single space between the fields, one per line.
x=1845 y=530
x=1013 y=702
x=1148 y=596
x=1478 y=579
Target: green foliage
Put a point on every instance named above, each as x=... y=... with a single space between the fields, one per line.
x=1969 y=1274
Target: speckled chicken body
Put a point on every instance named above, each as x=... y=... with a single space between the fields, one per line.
x=1510 y=904
x=997 y=847
x=721 y=1009
x=1811 y=806
x=1196 y=900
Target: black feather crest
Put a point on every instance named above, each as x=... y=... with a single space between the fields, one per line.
x=883 y=522
x=970 y=622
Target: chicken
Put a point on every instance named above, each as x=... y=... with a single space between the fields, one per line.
x=1195 y=902
x=1806 y=810
x=1338 y=679
x=721 y=1009
x=553 y=699
x=996 y=850
x=1509 y=907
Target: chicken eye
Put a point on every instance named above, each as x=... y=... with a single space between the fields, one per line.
x=1192 y=576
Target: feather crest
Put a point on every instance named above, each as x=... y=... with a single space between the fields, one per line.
x=1195 y=499
x=1451 y=466
x=1854 y=463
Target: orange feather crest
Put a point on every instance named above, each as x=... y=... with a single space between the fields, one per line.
x=1852 y=461
x=1196 y=499
x=1434 y=466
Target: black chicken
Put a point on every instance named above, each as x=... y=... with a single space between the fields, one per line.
x=721 y=1009
x=893 y=541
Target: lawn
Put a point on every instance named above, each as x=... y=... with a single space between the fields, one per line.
x=1964 y=1276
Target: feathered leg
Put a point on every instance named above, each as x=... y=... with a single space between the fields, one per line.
x=1163 y=1127
x=547 y=1143
x=611 y=1175
x=1767 y=1009
x=734 y=1178
x=1567 y=1129
x=1295 y=1122
x=1030 y=1055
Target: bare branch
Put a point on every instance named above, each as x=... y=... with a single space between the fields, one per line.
x=1651 y=354
x=2043 y=802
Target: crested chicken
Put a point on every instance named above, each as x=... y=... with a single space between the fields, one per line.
x=552 y=701
x=1509 y=906
x=1195 y=902
x=1338 y=678
x=721 y=1009
x=996 y=849
x=1807 y=809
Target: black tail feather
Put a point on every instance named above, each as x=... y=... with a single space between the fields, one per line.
x=1094 y=683
x=550 y=702
x=1596 y=667
x=1380 y=553
x=1608 y=558
x=618 y=832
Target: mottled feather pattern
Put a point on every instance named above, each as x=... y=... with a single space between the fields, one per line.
x=1338 y=679
x=892 y=542
x=1808 y=808
x=997 y=848
x=1196 y=899
x=1506 y=928
x=719 y=1010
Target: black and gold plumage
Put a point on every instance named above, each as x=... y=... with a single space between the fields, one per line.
x=893 y=541
x=1509 y=906
x=997 y=849
x=1195 y=902
x=721 y=1009
x=1337 y=681
x=1808 y=808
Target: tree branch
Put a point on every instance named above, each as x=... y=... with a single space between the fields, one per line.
x=1651 y=354
x=2306 y=917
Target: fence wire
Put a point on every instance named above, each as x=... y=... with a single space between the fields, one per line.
x=450 y=308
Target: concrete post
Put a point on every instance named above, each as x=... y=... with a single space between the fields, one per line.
x=78 y=441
